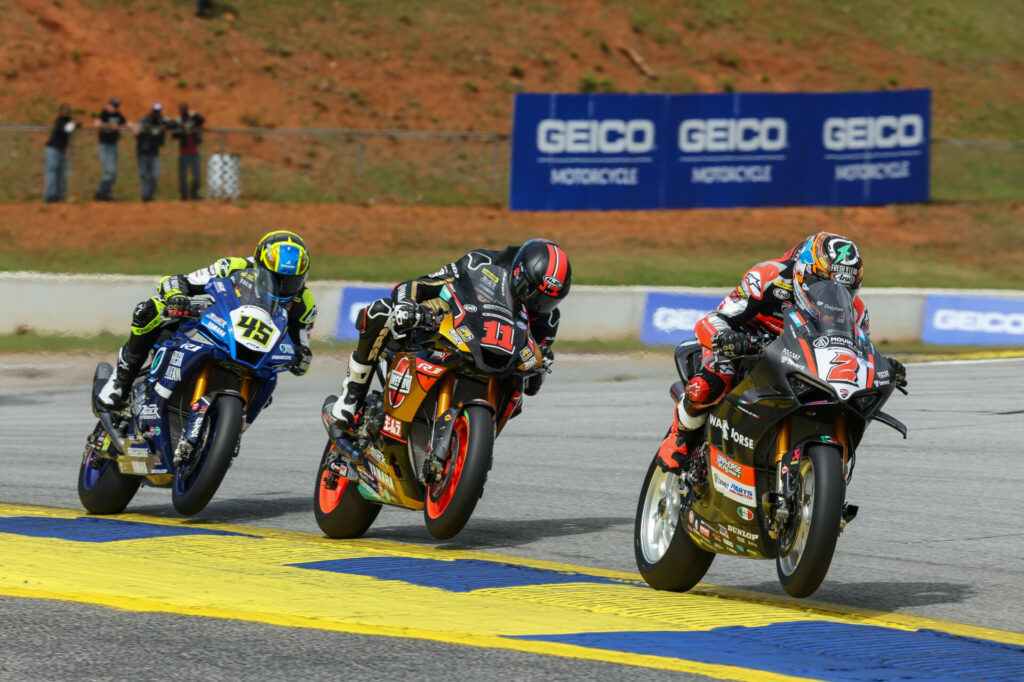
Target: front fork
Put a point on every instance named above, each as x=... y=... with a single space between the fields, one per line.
x=778 y=506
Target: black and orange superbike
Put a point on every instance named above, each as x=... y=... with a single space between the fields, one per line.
x=425 y=441
x=770 y=481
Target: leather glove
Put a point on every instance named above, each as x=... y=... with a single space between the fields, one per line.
x=406 y=315
x=547 y=357
x=303 y=358
x=899 y=372
x=178 y=305
x=731 y=344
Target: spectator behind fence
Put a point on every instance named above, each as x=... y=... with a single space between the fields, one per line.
x=109 y=122
x=188 y=130
x=149 y=138
x=56 y=178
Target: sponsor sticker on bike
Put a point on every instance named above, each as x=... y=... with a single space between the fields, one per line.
x=392 y=427
x=399 y=382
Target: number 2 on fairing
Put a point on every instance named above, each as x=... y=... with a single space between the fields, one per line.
x=257 y=330
x=497 y=335
x=844 y=368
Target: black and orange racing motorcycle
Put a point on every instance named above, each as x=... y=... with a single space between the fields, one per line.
x=770 y=480
x=426 y=440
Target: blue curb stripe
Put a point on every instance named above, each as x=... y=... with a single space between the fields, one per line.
x=460 y=575
x=92 y=529
x=823 y=650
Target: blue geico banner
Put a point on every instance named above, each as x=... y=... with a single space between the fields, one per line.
x=973 y=320
x=670 y=318
x=687 y=151
x=354 y=299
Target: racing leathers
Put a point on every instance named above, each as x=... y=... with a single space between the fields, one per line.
x=172 y=302
x=755 y=306
x=388 y=318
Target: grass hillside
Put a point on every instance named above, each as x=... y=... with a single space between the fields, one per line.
x=454 y=64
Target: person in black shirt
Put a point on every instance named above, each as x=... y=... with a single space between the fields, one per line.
x=149 y=138
x=56 y=178
x=109 y=122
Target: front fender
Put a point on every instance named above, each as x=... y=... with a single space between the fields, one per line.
x=194 y=426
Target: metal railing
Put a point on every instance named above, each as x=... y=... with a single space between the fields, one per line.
x=401 y=166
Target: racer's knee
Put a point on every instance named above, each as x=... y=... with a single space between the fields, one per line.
x=144 y=315
x=373 y=317
x=704 y=390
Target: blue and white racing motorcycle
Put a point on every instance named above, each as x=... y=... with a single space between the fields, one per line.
x=183 y=420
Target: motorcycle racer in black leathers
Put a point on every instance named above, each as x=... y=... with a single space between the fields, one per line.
x=539 y=278
x=282 y=253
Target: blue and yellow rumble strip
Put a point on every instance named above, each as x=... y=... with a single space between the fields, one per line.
x=398 y=590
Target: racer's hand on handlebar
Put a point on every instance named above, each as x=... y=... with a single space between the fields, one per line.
x=899 y=372
x=303 y=358
x=178 y=305
x=547 y=357
x=407 y=315
x=729 y=344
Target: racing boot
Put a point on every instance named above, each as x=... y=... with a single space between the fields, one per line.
x=682 y=441
x=114 y=393
x=353 y=393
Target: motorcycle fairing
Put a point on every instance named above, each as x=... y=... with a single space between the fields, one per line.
x=147 y=445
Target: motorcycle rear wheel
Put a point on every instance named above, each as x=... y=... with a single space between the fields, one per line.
x=450 y=503
x=192 y=493
x=341 y=512
x=665 y=555
x=809 y=544
x=102 y=488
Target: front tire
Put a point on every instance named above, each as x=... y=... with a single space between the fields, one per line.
x=450 y=502
x=665 y=555
x=102 y=488
x=194 y=488
x=341 y=512
x=805 y=550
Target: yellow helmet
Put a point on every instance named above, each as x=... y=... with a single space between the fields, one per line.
x=285 y=256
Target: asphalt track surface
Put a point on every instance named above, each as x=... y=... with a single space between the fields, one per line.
x=938 y=536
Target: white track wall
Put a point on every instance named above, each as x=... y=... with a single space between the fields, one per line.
x=90 y=304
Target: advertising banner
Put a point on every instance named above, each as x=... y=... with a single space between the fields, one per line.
x=354 y=299
x=670 y=318
x=610 y=151
x=973 y=320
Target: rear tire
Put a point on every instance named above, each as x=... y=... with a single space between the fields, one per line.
x=103 y=489
x=341 y=512
x=192 y=494
x=812 y=540
x=450 y=503
x=665 y=555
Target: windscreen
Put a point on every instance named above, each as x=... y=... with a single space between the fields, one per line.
x=257 y=287
x=830 y=306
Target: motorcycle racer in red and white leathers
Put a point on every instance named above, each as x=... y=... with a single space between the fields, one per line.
x=756 y=306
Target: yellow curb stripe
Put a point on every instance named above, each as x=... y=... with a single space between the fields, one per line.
x=463 y=638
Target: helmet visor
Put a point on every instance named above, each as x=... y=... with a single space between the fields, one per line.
x=288 y=286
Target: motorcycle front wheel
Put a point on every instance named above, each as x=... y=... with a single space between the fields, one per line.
x=805 y=548
x=195 y=485
x=665 y=555
x=450 y=502
x=341 y=512
x=102 y=488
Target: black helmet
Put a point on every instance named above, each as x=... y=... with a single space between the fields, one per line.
x=541 y=275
